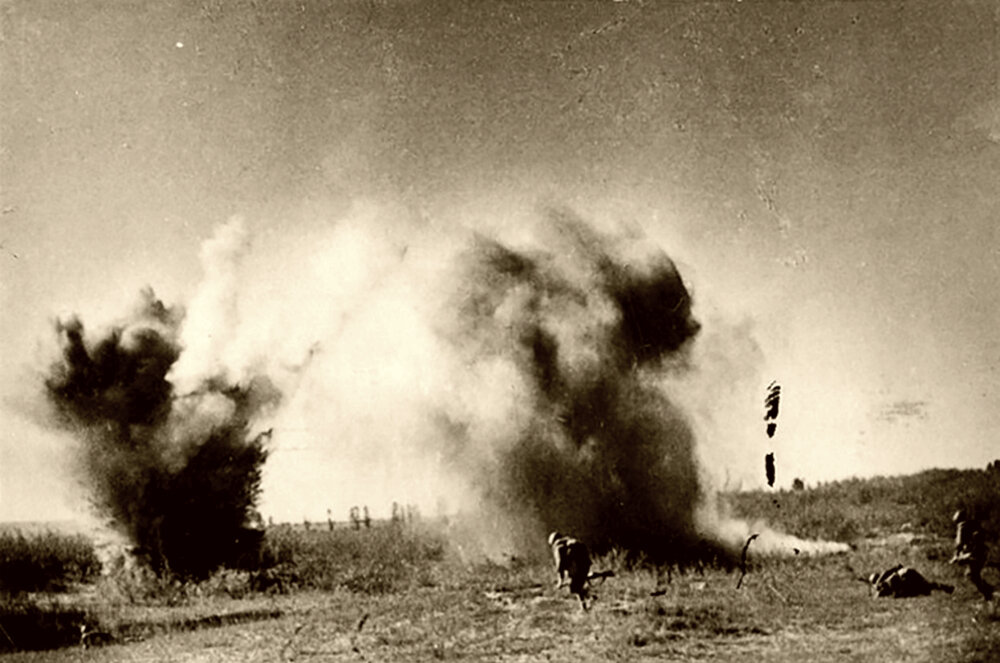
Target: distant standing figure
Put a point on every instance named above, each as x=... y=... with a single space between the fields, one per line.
x=572 y=561
x=970 y=552
x=963 y=531
x=901 y=582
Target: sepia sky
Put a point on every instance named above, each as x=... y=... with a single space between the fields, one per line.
x=824 y=174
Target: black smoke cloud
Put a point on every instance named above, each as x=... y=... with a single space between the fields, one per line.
x=178 y=475
x=593 y=332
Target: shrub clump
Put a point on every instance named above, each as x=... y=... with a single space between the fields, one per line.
x=46 y=562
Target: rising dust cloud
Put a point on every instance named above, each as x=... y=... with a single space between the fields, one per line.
x=524 y=377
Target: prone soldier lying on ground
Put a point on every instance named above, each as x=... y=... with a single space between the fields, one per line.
x=902 y=582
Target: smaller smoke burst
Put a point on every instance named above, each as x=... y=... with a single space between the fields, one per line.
x=179 y=476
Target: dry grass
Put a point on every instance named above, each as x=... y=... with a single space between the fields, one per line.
x=402 y=594
x=787 y=609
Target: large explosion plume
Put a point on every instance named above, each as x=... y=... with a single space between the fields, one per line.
x=600 y=450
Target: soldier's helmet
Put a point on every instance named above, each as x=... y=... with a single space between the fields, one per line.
x=553 y=537
x=959 y=516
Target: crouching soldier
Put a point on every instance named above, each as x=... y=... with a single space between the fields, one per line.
x=901 y=582
x=572 y=562
x=970 y=552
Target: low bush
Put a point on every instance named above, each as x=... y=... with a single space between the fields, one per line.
x=136 y=584
x=45 y=562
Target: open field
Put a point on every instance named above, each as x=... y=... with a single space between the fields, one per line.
x=786 y=610
x=403 y=593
